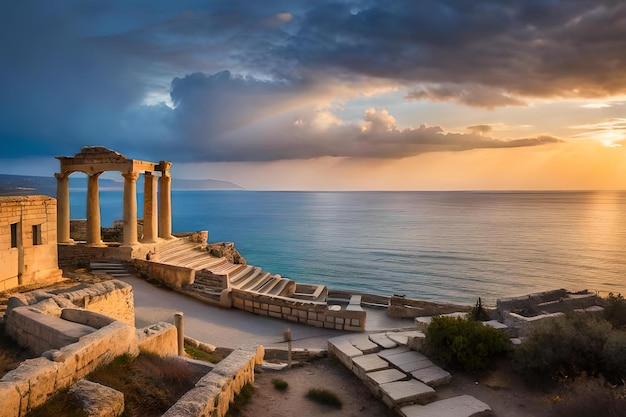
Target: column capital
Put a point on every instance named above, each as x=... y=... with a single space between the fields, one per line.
x=60 y=176
x=132 y=176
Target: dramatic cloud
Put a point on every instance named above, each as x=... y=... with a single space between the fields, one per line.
x=255 y=81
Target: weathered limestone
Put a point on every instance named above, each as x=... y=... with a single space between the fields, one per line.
x=130 y=208
x=95 y=160
x=368 y=363
x=405 y=307
x=28 y=234
x=400 y=393
x=150 y=208
x=160 y=338
x=461 y=406
x=214 y=392
x=97 y=400
x=382 y=340
x=433 y=376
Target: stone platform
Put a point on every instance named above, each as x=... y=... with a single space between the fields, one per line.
x=403 y=378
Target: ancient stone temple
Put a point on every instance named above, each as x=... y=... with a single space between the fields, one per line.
x=95 y=160
x=28 y=249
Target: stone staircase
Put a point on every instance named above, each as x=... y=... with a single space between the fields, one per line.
x=402 y=377
x=184 y=253
x=117 y=269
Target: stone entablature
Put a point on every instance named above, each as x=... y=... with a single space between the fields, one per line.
x=95 y=160
x=28 y=250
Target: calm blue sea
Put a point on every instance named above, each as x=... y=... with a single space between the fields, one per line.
x=449 y=246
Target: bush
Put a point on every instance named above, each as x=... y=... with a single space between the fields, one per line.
x=464 y=343
x=566 y=347
x=590 y=397
x=615 y=310
x=323 y=396
x=280 y=384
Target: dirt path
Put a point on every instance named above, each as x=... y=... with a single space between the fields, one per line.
x=322 y=373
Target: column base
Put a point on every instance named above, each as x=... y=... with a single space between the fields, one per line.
x=67 y=242
x=96 y=245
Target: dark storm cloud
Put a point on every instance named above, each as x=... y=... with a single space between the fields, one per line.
x=78 y=73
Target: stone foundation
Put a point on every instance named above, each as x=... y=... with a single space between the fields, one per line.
x=403 y=307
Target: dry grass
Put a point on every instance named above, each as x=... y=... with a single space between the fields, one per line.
x=150 y=384
x=11 y=355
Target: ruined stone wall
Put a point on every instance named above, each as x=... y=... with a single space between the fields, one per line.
x=78 y=229
x=311 y=313
x=28 y=257
x=215 y=392
x=218 y=281
x=409 y=308
x=111 y=298
x=160 y=338
x=36 y=380
x=171 y=275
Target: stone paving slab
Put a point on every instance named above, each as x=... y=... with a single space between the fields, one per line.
x=382 y=340
x=415 y=366
x=390 y=352
x=370 y=363
x=433 y=376
x=400 y=393
x=461 y=406
x=402 y=338
x=363 y=343
x=405 y=357
x=386 y=375
x=343 y=350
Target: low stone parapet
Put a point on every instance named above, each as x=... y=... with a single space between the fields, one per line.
x=402 y=307
x=173 y=276
x=160 y=338
x=312 y=313
x=214 y=392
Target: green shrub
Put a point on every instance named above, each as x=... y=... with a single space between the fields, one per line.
x=464 y=343
x=615 y=310
x=324 y=396
x=280 y=384
x=566 y=347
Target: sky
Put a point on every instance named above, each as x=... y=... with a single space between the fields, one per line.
x=323 y=95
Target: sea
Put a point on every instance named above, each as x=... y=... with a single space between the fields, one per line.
x=444 y=246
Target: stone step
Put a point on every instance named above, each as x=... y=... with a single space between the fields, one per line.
x=461 y=406
x=400 y=393
x=433 y=376
x=382 y=340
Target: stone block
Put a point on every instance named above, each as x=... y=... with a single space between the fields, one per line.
x=197 y=402
x=97 y=400
x=386 y=375
x=341 y=349
x=11 y=400
x=363 y=343
x=400 y=393
x=382 y=340
x=368 y=363
x=402 y=338
x=461 y=406
x=433 y=376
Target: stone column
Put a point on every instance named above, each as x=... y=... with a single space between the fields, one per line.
x=165 y=202
x=93 y=211
x=150 y=221
x=130 y=208
x=63 y=208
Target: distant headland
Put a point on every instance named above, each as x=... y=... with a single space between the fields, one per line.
x=29 y=185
